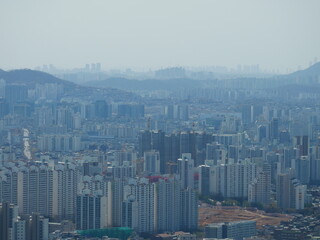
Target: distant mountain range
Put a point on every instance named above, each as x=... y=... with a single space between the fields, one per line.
x=308 y=77
x=307 y=80
x=30 y=78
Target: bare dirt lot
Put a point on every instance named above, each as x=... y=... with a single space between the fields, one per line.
x=209 y=214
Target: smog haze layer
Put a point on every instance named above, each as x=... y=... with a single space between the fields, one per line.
x=154 y=34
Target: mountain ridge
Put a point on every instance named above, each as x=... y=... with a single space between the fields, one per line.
x=32 y=77
x=313 y=70
x=307 y=77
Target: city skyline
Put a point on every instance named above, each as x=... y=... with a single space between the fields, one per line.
x=161 y=120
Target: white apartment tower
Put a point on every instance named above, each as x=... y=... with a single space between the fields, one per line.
x=65 y=183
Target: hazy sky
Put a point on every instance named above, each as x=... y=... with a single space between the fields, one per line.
x=147 y=33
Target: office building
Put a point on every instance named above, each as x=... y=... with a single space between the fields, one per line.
x=231 y=230
x=214 y=230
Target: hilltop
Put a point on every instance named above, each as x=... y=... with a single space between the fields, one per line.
x=31 y=78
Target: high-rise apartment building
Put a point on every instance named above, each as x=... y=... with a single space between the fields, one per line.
x=274 y=129
x=36 y=187
x=188 y=210
x=302 y=143
x=134 y=111
x=130 y=212
x=90 y=211
x=8 y=214
x=65 y=190
x=232 y=180
x=216 y=152
x=37 y=227
x=117 y=197
x=101 y=109
x=144 y=193
x=186 y=171
x=260 y=188
x=37 y=190
x=204 y=180
x=158 y=204
x=15 y=93
x=167 y=205
x=152 y=162
x=289 y=192
x=302 y=169
x=315 y=165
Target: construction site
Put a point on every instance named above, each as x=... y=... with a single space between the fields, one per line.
x=217 y=214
